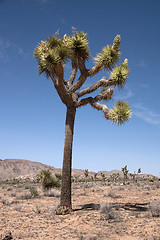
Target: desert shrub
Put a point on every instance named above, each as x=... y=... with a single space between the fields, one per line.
x=18 y=208
x=27 y=186
x=157 y=184
x=24 y=196
x=156 y=238
x=6 y=202
x=51 y=183
x=47 y=180
x=107 y=212
x=58 y=176
x=52 y=193
x=9 y=189
x=33 y=191
x=13 y=194
x=7 y=235
x=109 y=193
x=37 y=209
x=155 y=208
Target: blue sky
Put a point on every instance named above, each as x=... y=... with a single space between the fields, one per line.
x=32 y=117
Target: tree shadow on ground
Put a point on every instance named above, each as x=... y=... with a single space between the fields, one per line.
x=140 y=207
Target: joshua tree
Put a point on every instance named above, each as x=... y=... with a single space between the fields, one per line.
x=103 y=177
x=139 y=171
x=52 y=54
x=125 y=173
x=134 y=175
x=95 y=177
x=114 y=177
x=86 y=173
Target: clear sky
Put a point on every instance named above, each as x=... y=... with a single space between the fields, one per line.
x=32 y=117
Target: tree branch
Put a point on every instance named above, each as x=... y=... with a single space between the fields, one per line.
x=66 y=83
x=57 y=78
x=54 y=78
x=73 y=72
x=96 y=105
x=84 y=102
x=106 y=95
x=83 y=76
x=103 y=108
x=94 y=70
x=95 y=86
x=103 y=96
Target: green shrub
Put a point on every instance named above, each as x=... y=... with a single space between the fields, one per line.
x=47 y=180
x=58 y=176
x=33 y=191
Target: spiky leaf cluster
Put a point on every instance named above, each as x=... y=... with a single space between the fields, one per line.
x=107 y=58
x=121 y=113
x=56 y=50
x=78 y=45
x=49 y=62
x=116 y=43
x=119 y=75
x=109 y=55
x=51 y=52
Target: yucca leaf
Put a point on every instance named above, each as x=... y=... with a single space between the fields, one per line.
x=64 y=52
x=107 y=58
x=79 y=45
x=119 y=75
x=53 y=41
x=121 y=113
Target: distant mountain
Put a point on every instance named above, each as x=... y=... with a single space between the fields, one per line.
x=19 y=168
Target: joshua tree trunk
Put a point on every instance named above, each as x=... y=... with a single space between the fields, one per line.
x=67 y=158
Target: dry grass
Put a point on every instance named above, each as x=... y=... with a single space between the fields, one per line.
x=155 y=208
x=107 y=212
x=131 y=214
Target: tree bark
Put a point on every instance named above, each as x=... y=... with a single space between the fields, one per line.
x=67 y=158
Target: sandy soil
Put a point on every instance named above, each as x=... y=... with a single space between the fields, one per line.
x=34 y=218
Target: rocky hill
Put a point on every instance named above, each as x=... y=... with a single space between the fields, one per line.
x=19 y=168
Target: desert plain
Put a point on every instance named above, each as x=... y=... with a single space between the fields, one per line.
x=101 y=210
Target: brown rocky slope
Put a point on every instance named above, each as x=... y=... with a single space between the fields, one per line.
x=20 y=168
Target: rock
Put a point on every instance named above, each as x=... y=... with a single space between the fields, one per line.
x=6 y=235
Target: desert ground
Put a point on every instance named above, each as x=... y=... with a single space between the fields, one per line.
x=101 y=210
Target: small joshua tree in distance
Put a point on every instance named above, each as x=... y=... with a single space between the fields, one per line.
x=95 y=177
x=134 y=175
x=103 y=177
x=52 y=54
x=86 y=173
x=138 y=172
x=125 y=174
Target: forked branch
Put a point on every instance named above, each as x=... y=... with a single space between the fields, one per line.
x=95 y=86
x=106 y=95
x=73 y=72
